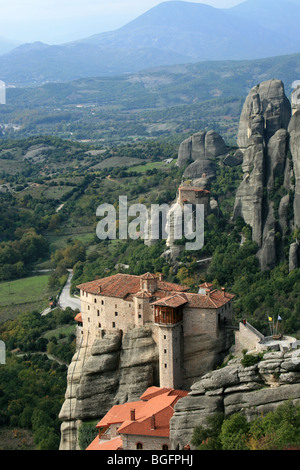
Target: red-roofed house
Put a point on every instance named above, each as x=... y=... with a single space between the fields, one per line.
x=143 y=424
x=122 y=301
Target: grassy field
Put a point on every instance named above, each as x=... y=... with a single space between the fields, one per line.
x=151 y=166
x=27 y=294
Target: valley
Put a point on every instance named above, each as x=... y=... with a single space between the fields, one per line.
x=87 y=122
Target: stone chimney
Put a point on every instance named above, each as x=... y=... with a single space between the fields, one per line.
x=132 y=414
x=207 y=292
x=223 y=290
x=160 y=276
x=152 y=422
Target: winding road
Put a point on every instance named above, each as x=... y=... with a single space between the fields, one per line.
x=65 y=299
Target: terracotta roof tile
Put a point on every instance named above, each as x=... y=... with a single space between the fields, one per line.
x=78 y=318
x=113 y=444
x=194 y=189
x=215 y=299
x=156 y=401
x=174 y=301
x=122 y=285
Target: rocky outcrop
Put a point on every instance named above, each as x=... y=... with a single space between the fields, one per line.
x=263 y=196
x=294 y=131
x=114 y=370
x=249 y=390
x=199 y=152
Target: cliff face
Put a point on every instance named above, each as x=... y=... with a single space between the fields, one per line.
x=112 y=371
x=264 y=198
x=199 y=152
x=294 y=131
x=251 y=391
x=117 y=369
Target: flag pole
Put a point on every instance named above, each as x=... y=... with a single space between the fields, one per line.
x=269 y=324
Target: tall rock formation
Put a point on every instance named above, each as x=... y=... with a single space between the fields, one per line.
x=112 y=371
x=199 y=152
x=263 y=197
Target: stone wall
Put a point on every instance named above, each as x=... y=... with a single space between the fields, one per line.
x=149 y=442
x=247 y=338
x=252 y=390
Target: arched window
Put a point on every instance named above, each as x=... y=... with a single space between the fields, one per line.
x=139 y=446
x=165 y=447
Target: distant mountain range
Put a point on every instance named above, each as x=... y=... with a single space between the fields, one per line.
x=171 y=33
x=164 y=86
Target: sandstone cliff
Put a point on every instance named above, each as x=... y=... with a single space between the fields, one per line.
x=199 y=152
x=265 y=195
x=114 y=370
x=251 y=391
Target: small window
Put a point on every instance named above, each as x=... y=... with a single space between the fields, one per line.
x=140 y=306
x=98 y=313
x=116 y=314
x=140 y=316
x=89 y=319
x=165 y=447
x=99 y=325
x=165 y=351
x=95 y=300
x=113 y=324
x=102 y=302
x=166 y=365
x=165 y=337
x=139 y=446
x=88 y=307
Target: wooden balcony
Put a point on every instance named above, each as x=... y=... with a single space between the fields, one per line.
x=168 y=315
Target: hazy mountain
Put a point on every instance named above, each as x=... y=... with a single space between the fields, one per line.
x=199 y=31
x=6 y=45
x=279 y=16
x=171 y=33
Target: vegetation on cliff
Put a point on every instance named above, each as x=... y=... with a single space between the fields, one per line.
x=277 y=430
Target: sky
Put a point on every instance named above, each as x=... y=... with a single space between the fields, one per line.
x=59 y=21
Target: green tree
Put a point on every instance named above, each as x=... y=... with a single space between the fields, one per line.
x=234 y=432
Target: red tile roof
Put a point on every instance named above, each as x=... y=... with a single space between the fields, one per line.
x=174 y=301
x=119 y=413
x=113 y=444
x=121 y=285
x=213 y=299
x=78 y=318
x=153 y=391
x=194 y=189
x=155 y=402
